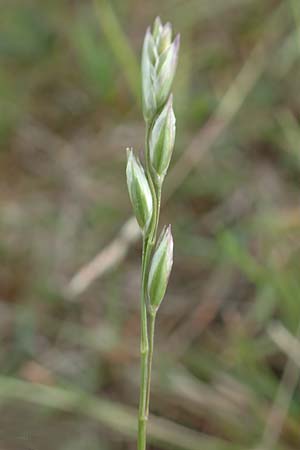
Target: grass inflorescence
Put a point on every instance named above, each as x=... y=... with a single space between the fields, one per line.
x=159 y=61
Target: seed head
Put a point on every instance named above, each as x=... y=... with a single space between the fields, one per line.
x=160 y=269
x=139 y=191
x=159 y=61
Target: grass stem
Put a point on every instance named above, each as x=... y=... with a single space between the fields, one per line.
x=152 y=317
x=142 y=421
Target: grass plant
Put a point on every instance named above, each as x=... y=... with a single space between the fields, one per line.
x=159 y=61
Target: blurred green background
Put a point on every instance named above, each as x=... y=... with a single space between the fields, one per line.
x=227 y=356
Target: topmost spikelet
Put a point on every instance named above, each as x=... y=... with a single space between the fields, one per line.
x=159 y=61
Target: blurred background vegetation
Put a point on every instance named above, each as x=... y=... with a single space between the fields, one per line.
x=227 y=361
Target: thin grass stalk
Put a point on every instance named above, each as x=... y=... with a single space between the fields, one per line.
x=152 y=318
x=144 y=350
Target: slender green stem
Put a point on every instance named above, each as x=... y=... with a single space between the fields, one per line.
x=148 y=243
x=144 y=350
x=145 y=374
x=156 y=195
x=154 y=220
x=155 y=187
x=146 y=347
x=152 y=317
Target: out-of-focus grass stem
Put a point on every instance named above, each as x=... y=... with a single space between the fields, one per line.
x=119 y=45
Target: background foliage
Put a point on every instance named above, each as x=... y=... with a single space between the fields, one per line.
x=227 y=360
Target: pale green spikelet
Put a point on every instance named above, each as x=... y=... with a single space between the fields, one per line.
x=161 y=140
x=160 y=269
x=139 y=191
x=159 y=61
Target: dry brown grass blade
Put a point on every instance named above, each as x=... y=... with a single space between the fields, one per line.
x=280 y=407
x=118 y=418
x=285 y=341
